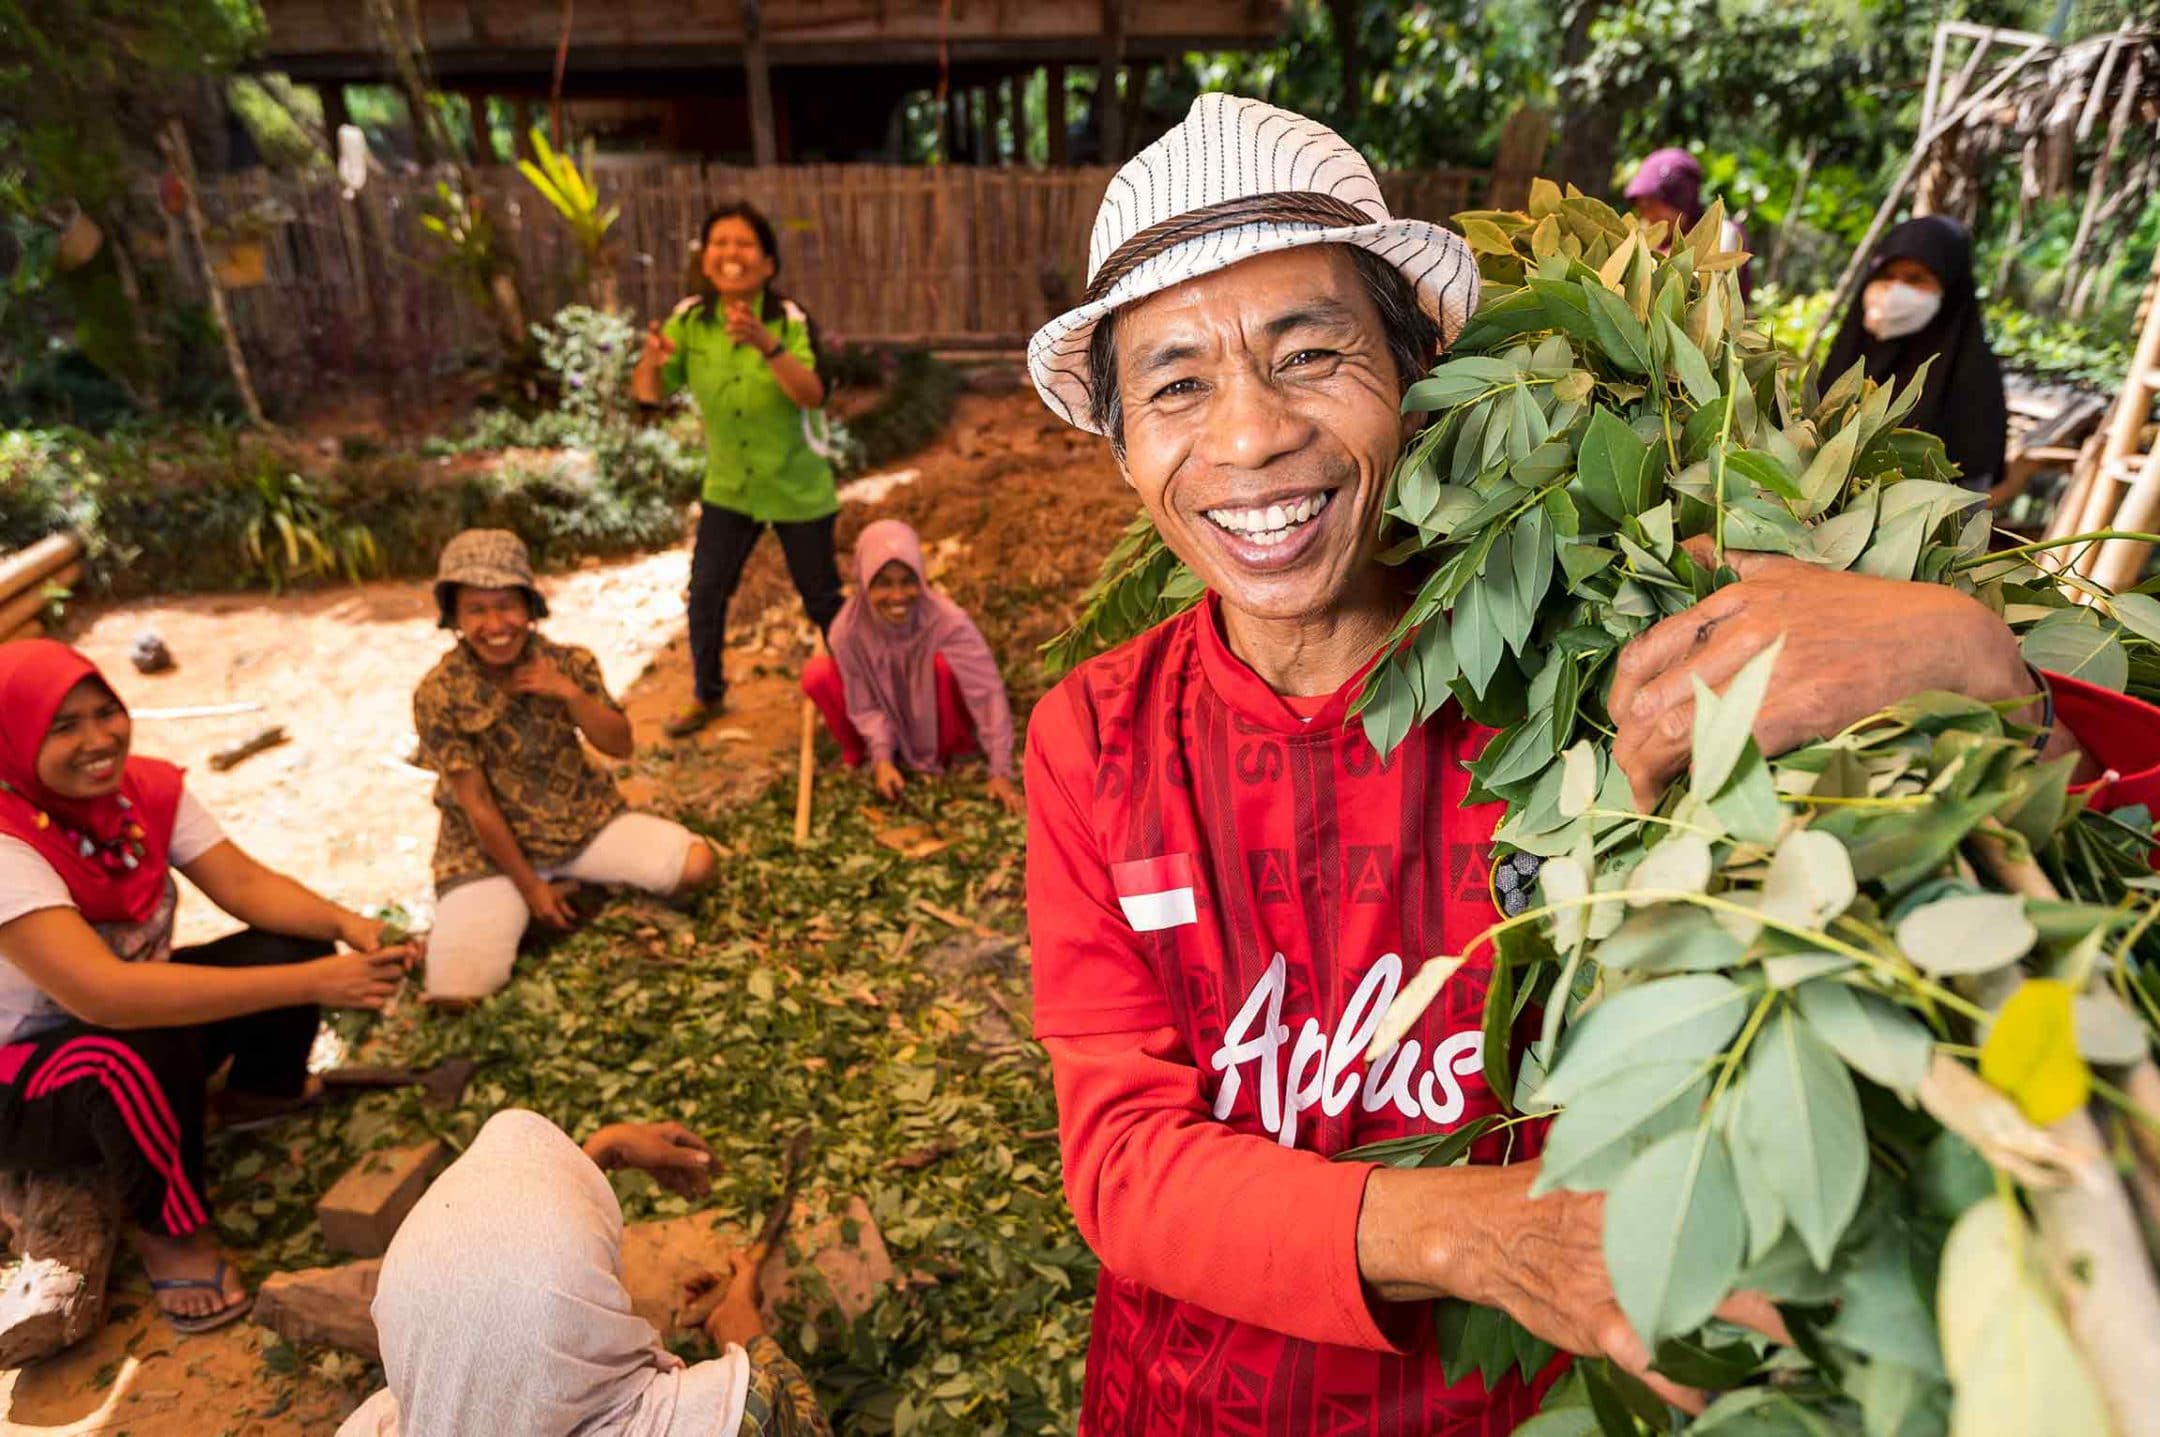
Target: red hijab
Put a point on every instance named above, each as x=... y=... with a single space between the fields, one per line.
x=111 y=851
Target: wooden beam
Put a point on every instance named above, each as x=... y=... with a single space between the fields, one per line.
x=1054 y=115
x=764 y=149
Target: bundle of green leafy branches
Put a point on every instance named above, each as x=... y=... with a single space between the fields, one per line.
x=1867 y=1028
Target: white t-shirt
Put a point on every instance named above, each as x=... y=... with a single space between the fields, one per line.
x=28 y=883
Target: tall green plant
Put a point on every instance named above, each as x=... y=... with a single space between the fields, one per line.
x=560 y=182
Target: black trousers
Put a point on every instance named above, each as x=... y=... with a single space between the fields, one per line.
x=79 y=1098
x=725 y=538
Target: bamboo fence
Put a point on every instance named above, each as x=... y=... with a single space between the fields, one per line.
x=936 y=255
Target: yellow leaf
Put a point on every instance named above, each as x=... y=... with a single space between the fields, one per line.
x=2031 y=1052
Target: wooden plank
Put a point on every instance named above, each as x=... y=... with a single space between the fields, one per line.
x=362 y=1211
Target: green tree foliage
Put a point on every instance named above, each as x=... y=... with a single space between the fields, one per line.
x=83 y=83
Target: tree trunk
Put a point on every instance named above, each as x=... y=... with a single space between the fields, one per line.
x=174 y=139
x=1343 y=19
x=65 y=1231
x=1589 y=133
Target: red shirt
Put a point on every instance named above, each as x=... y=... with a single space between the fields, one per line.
x=1224 y=894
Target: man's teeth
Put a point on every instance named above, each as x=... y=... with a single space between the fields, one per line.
x=1272 y=523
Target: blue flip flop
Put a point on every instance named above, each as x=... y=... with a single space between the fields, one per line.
x=210 y=1321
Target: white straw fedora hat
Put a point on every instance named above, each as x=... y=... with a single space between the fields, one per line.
x=1237 y=178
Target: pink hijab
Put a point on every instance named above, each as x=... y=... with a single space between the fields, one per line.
x=890 y=673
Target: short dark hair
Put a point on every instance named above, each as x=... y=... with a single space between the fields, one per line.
x=1413 y=339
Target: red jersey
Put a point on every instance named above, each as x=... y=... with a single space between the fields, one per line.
x=1225 y=891
x=1242 y=889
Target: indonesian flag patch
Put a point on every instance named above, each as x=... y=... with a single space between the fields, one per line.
x=1156 y=893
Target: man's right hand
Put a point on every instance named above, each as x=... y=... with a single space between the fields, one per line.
x=886 y=778
x=357 y=980
x=549 y=906
x=1540 y=1260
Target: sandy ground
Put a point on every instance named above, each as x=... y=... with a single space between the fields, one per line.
x=1016 y=511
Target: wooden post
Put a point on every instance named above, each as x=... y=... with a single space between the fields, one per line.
x=1016 y=111
x=173 y=140
x=1054 y=116
x=992 y=108
x=334 y=112
x=764 y=150
x=1136 y=78
x=1109 y=117
x=956 y=126
x=979 y=126
x=483 y=132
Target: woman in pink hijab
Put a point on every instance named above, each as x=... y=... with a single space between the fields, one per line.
x=910 y=682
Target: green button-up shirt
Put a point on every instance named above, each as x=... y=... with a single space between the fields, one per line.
x=764 y=456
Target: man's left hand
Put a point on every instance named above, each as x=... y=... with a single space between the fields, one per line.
x=677 y=1158
x=1854 y=645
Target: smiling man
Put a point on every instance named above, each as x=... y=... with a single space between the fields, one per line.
x=1227 y=885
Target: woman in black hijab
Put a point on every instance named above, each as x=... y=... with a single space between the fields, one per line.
x=1919 y=304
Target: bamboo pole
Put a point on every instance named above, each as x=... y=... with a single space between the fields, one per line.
x=26 y=567
x=173 y=140
x=806 y=767
x=31 y=602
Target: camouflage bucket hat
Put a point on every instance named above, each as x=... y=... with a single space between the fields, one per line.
x=485 y=559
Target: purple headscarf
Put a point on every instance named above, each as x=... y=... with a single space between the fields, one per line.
x=890 y=672
x=1673 y=176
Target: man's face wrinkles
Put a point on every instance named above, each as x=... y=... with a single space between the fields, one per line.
x=1261 y=425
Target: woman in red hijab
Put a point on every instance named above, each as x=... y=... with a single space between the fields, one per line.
x=108 y=1034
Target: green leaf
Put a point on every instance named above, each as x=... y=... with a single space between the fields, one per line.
x=1689 y=363
x=1672 y=939
x=1872 y=1034
x=1578 y=779
x=2139 y=613
x=1684 y=1018
x=1810 y=880
x=2012 y=1363
x=1531 y=552
x=1614 y=466
x=1827 y=472
x=1566 y=1422
x=1673 y=1233
x=1838 y=542
x=1882 y=1310
x=1797 y=1124
x=2072 y=642
x=1681 y=864
x=1967 y=933
x=1476 y=636
x=1619 y=333
x=1725 y=722
x=2031 y=1052
x=1694 y=1362
x=1598 y=1135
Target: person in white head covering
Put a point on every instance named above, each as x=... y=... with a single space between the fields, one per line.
x=1227 y=886
x=501 y=1310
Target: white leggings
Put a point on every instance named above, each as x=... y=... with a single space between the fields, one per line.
x=478 y=923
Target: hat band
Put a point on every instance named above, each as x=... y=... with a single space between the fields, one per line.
x=1273 y=207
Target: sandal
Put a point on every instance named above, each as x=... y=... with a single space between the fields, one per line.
x=209 y=1321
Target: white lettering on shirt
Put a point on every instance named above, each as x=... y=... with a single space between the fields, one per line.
x=1321 y=1072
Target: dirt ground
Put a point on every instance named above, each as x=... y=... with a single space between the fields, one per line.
x=1016 y=511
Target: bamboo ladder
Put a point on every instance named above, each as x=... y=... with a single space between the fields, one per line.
x=2120 y=488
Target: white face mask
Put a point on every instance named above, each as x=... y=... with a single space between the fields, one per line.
x=1892 y=309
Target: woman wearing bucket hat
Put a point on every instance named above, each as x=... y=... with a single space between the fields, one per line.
x=1224 y=879
x=523 y=809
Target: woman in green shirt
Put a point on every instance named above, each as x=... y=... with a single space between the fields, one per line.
x=747 y=355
